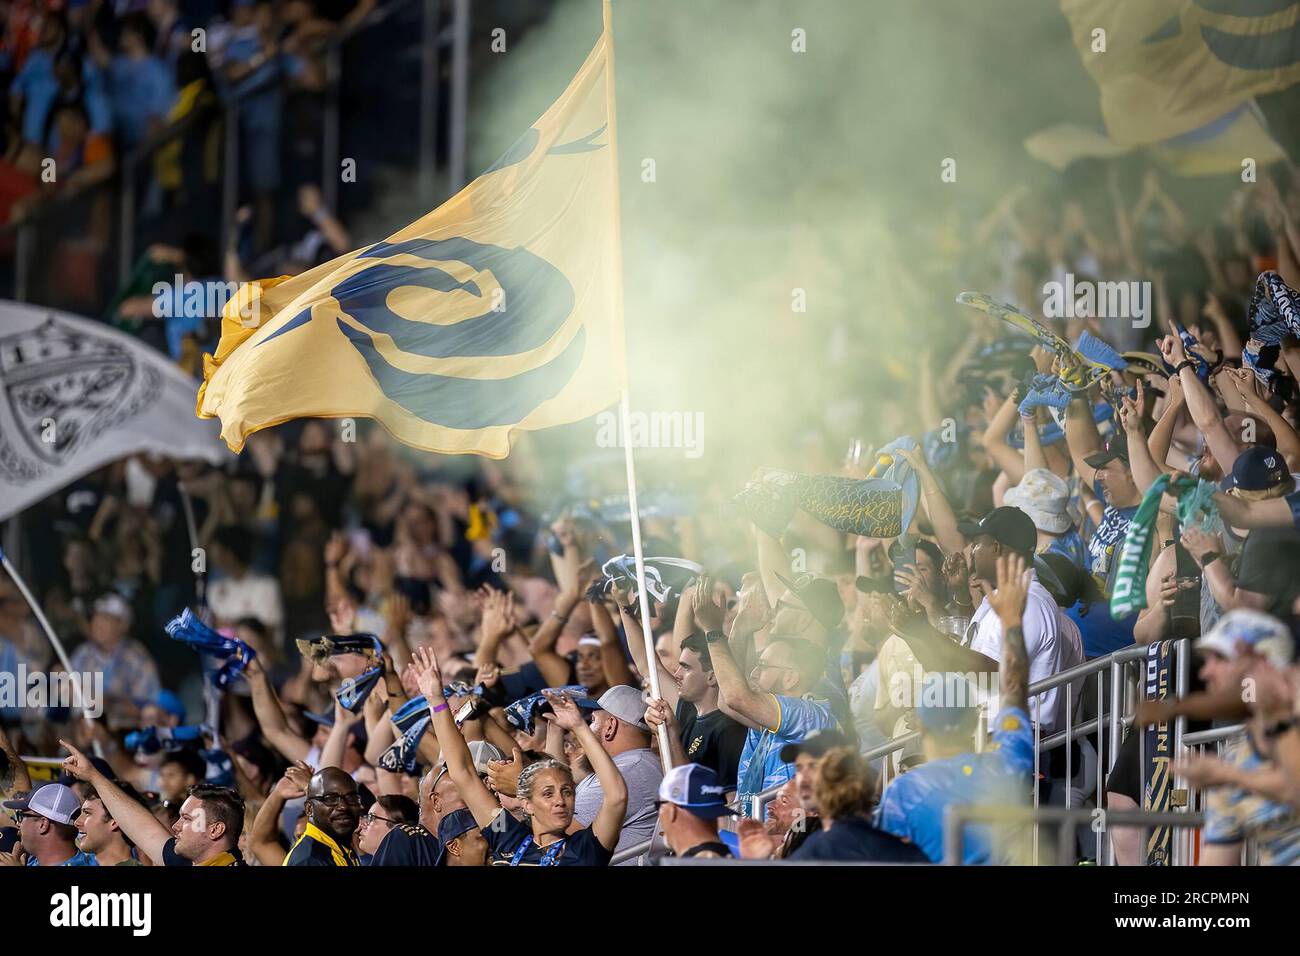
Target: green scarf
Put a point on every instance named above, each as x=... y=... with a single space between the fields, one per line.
x=1195 y=507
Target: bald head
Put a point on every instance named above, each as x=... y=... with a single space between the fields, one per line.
x=333 y=803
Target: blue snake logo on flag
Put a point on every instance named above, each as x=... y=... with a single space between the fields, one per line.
x=540 y=298
x=1274 y=50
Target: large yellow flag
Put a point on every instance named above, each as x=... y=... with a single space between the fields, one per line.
x=500 y=311
x=1168 y=67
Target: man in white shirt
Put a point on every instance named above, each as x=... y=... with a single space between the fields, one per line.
x=1052 y=640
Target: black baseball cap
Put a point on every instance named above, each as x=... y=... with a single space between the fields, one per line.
x=1115 y=446
x=1006 y=525
x=819 y=595
x=816 y=744
x=1256 y=469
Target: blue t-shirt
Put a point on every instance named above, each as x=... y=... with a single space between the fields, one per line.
x=913 y=805
x=1103 y=561
x=39 y=87
x=1071 y=546
x=80 y=858
x=761 y=765
x=139 y=90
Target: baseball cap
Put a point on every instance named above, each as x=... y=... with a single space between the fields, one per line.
x=1263 y=633
x=816 y=743
x=481 y=752
x=53 y=801
x=113 y=604
x=455 y=824
x=170 y=703
x=948 y=702
x=1006 y=525
x=1256 y=469
x=1115 y=446
x=626 y=703
x=696 y=789
x=820 y=596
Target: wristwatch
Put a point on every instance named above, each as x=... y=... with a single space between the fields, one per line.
x=1208 y=558
x=712 y=637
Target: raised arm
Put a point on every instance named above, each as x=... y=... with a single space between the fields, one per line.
x=270 y=716
x=1145 y=468
x=1008 y=602
x=1162 y=436
x=755 y=709
x=609 y=819
x=264 y=839
x=995 y=441
x=331 y=755
x=942 y=518
x=1081 y=436
x=15 y=779
x=132 y=817
x=1200 y=403
x=1285 y=438
x=460 y=764
x=612 y=657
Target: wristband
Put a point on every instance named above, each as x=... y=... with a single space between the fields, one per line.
x=713 y=637
x=1185 y=363
x=1209 y=558
x=440 y=708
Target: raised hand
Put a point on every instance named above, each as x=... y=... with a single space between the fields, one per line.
x=503 y=775
x=294 y=782
x=427 y=674
x=77 y=763
x=1008 y=599
x=752 y=611
x=709 y=614
x=565 y=714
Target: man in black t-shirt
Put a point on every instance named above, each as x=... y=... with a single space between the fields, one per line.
x=707 y=736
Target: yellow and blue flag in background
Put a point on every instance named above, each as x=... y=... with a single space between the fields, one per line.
x=1179 y=77
x=496 y=313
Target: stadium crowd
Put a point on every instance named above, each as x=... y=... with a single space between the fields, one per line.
x=411 y=659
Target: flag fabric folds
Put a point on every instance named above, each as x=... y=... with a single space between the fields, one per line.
x=76 y=395
x=1170 y=67
x=494 y=314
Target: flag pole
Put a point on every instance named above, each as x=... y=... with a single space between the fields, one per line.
x=625 y=408
x=74 y=680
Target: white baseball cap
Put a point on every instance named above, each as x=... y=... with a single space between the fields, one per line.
x=53 y=801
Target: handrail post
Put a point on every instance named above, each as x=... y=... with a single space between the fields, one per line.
x=126 y=222
x=230 y=175
x=429 y=103
x=330 y=174
x=459 y=93
x=22 y=261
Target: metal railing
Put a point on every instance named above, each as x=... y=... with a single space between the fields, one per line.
x=1066 y=820
x=122 y=189
x=1106 y=728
